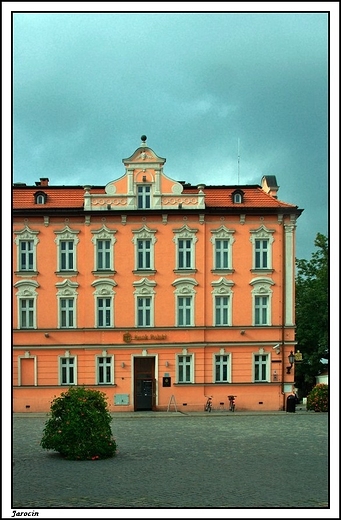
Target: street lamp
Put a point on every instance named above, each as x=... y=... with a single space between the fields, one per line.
x=291 y=358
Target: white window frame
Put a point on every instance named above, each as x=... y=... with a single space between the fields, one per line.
x=263 y=362
x=222 y=288
x=67 y=356
x=262 y=234
x=144 y=196
x=185 y=311
x=185 y=233
x=222 y=362
x=144 y=234
x=22 y=236
x=67 y=313
x=262 y=288
x=67 y=235
x=103 y=234
x=104 y=289
x=40 y=199
x=223 y=308
x=26 y=310
x=144 y=311
x=104 y=355
x=144 y=289
x=67 y=290
x=26 y=291
x=189 y=363
x=184 y=288
x=223 y=234
x=103 y=307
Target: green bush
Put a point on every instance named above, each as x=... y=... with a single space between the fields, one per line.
x=318 y=398
x=79 y=426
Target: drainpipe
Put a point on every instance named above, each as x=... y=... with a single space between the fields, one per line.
x=283 y=307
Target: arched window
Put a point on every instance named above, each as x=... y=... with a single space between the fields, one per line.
x=238 y=196
x=40 y=197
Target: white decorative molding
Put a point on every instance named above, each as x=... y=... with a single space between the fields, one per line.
x=26 y=234
x=104 y=287
x=222 y=286
x=67 y=288
x=26 y=288
x=184 y=286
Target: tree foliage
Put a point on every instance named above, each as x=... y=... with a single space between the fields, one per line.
x=312 y=314
x=79 y=426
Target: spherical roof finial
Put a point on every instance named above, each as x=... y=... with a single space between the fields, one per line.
x=143 y=138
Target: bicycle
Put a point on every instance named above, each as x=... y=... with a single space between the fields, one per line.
x=208 y=405
x=232 y=399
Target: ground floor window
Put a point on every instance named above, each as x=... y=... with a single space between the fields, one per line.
x=185 y=369
x=68 y=371
x=261 y=367
x=104 y=370
x=221 y=366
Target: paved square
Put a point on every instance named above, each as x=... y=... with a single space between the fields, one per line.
x=172 y=460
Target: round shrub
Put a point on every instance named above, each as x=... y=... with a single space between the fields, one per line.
x=79 y=426
x=318 y=398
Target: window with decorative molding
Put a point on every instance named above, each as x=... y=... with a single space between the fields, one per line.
x=222 y=302
x=185 y=241
x=27 y=304
x=67 y=241
x=104 y=302
x=262 y=296
x=262 y=240
x=222 y=240
x=67 y=304
x=184 y=302
x=144 y=241
x=144 y=303
x=26 y=241
x=103 y=241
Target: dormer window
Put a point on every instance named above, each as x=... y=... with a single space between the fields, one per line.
x=40 y=197
x=237 y=196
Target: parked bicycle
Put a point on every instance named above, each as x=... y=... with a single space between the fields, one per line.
x=232 y=399
x=208 y=405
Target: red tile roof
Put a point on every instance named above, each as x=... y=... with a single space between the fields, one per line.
x=253 y=197
x=72 y=197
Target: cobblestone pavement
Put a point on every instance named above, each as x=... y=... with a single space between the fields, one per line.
x=175 y=460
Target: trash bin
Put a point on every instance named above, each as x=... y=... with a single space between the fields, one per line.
x=291 y=403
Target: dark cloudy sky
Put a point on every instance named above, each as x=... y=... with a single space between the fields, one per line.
x=86 y=86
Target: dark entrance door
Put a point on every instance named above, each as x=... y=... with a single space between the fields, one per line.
x=144 y=387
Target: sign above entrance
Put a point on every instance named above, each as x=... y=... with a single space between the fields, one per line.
x=128 y=338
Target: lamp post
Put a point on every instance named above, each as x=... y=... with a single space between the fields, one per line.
x=291 y=358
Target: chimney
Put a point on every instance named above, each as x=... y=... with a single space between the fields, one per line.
x=270 y=186
x=44 y=181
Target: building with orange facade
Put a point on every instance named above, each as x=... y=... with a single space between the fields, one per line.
x=154 y=291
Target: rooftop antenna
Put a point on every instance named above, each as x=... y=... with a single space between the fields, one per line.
x=238 y=158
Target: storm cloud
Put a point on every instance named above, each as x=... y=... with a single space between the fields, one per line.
x=87 y=85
